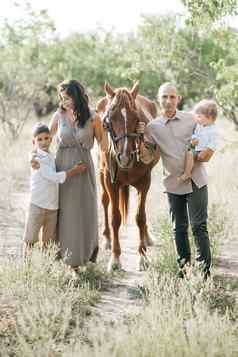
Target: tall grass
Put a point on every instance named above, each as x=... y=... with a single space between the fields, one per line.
x=176 y=322
x=46 y=305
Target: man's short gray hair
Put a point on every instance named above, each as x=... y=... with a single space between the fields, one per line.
x=166 y=85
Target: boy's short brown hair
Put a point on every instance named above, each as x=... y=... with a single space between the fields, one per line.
x=40 y=128
x=207 y=107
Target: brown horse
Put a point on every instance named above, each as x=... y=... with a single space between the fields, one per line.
x=121 y=110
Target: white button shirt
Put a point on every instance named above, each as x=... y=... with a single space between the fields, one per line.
x=44 y=186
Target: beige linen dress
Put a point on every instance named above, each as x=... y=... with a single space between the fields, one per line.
x=77 y=221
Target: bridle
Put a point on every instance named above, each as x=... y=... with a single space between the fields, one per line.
x=107 y=124
x=124 y=106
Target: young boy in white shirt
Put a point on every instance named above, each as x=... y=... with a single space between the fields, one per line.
x=204 y=136
x=43 y=208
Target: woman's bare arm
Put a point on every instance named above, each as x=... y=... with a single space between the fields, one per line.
x=53 y=125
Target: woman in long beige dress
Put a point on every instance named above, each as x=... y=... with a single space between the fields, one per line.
x=75 y=127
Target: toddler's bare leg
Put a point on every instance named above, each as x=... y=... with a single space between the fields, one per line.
x=189 y=163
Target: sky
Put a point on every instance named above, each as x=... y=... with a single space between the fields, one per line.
x=87 y=15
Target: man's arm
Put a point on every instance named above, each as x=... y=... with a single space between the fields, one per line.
x=148 y=150
x=205 y=155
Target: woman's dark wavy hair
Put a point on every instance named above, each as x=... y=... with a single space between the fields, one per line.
x=74 y=89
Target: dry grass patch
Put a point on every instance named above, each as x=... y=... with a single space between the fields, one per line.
x=42 y=306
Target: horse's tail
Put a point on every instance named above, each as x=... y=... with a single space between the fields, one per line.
x=124 y=194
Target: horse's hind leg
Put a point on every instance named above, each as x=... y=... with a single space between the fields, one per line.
x=105 y=203
x=142 y=190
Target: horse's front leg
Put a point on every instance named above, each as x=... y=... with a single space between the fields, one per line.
x=105 y=203
x=113 y=190
x=142 y=190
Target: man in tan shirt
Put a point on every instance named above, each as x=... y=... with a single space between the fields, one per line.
x=171 y=134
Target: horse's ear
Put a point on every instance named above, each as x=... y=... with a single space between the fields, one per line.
x=135 y=90
x=109 y=90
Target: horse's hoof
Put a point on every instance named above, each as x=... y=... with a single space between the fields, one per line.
x=106 y=244
x=113 y=266
x=143 y=263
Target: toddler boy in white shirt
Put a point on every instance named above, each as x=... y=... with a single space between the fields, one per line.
x=44 y=187
x=204 y=136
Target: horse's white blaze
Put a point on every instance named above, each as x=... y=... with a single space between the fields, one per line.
x=123 y=112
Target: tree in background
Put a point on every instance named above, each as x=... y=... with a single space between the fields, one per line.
x=22 y=69
x=200 y=58
x=210 y=14
x=201 y=11
x=226 y=89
